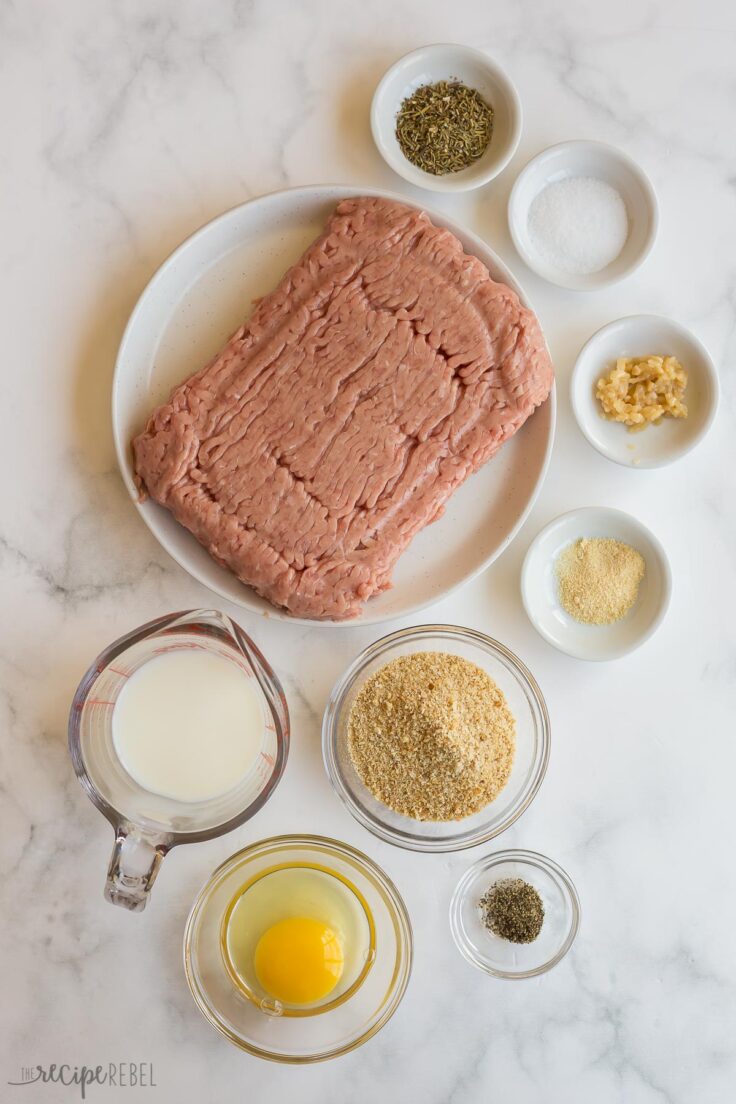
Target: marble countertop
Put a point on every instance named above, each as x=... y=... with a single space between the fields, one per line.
x=125 y=127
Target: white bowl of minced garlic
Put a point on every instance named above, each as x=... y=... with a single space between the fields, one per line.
x=596 y=583
x=644 y=391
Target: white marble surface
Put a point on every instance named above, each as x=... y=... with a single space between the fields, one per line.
x=124 y=127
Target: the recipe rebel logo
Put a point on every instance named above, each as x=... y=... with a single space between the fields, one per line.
x=119 y=1075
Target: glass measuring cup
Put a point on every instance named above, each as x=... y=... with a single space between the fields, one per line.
x=148 y=825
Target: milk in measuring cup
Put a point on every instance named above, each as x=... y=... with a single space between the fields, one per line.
x=188 y=724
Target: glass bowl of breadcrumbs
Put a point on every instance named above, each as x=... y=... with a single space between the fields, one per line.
x=456 y=690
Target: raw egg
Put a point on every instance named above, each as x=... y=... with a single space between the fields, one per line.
x=299 y=960
x=301 y=936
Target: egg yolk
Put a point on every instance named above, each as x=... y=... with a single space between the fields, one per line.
x=298 y=960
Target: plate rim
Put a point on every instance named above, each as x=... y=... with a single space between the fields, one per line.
x=439 y=218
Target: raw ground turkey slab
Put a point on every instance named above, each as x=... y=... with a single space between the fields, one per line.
x=384 y=369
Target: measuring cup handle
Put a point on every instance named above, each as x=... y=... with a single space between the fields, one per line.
x=133 y=868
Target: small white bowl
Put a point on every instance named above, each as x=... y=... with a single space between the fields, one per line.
x=428 y=65
x=640 y=335
x=589 y=159
x=539 y=589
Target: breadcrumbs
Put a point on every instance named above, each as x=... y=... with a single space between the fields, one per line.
x=599 y=579
x=431 y=736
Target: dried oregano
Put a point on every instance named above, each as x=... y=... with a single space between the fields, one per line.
x=444 y=127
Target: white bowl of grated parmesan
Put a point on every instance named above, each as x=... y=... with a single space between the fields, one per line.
x=596 y=583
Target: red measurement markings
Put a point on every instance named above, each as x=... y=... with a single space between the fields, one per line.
x=123 y=674
x=96 y=701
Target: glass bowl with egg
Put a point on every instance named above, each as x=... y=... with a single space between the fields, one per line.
x=298 y=949
x=521 y=697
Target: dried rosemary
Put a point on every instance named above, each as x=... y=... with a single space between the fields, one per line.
x=444 y=127
x=513 y=910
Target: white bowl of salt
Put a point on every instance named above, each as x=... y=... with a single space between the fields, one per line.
x=583 y=215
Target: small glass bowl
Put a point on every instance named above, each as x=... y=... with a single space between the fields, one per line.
x=532 y=740
x=339 y=1028
x=497 y=956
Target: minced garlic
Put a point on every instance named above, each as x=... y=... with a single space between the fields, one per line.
x=640 y=391
x=599 y=579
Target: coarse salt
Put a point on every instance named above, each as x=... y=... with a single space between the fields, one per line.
x=578 y=224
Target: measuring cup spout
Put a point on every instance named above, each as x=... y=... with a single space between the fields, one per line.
x=133 y=867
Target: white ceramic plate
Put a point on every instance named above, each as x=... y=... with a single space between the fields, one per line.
x=539 y=591
x=656 y=445
x=603 y=162
x=448 y=61
x=202 y=293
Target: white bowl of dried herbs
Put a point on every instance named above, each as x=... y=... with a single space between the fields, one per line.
x=446 y=118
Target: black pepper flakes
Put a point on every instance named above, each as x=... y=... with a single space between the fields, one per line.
x=513 y=910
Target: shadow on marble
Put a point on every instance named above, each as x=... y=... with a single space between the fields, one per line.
x=353 y=111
